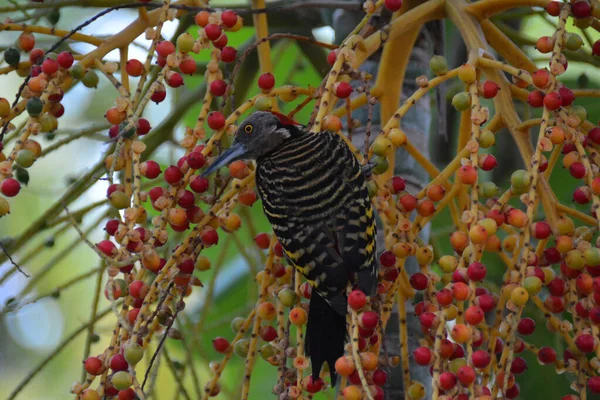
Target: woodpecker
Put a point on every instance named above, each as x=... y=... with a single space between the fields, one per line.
x=314 y=194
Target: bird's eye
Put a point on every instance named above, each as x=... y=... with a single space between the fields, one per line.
x=248 y=129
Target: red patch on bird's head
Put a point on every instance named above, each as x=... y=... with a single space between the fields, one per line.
x=283 y=119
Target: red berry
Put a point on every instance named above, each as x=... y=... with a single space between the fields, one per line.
x=93 y=366
x=278 y=250
x=173 y=175
x=536 y=98
x=447 y=380
x=474 y=315
x=553 y=8
x=476 y=271
x=36 y=56
x=266 y=81
x=581 y=9
x=262 y=240
x=187 y=266
x=541 y=78
x=380 y=377
x=49 y=66
x=215 y=120
x=221 y=42
x=342 y=89
x=423 y=356
x=332 y=56
x=111 y=226
x=187 y=66
x=134 y=67
x=10 y=187
x=582 y=195
x=143 y=126
x=185 y=199
x=466 y=375
x=229 y=18
x=174 y=79
x=165 y=48
x=138 y=289
x=357 y=299
x=218 y=87
x=553 y=101
x=127 y=394
x=419 y=281
x=541 y=230
x=118 y=363
x=526 y=326
x=585 y=343
x=596 y=48
x=195 y=160
x=393 y=5
x=65 y=59
x=268 y=333
x=387 y=259
x=488 y=162
x=577 y=170
x=546 y=355
x=368 y=319
x=199 y=184
x=157 y=192
x=518 y=366
x=313 y=386
x=228 y=54
x=490 y=89
x=594 y=384
x=221 y=345
x=213 y=31
x=158 y=96
x=210 y=237
x=566 y=95
x=398 y=184
x=481 y=358
x=594 y=135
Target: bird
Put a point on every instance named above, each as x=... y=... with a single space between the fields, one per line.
x=314 y=193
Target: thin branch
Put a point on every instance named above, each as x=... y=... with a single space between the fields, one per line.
x=13 y=261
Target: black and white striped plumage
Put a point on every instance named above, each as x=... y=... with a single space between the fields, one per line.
x=315 y=195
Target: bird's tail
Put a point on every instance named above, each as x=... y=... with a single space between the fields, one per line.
x=325 y=333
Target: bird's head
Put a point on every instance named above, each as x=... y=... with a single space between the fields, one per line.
x=257 y=135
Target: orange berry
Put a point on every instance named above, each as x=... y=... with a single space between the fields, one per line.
x=517 y=218
x=564 y=244
x=344 y=366
x=556 y=135
x=352 y=393
x=298 y=316
x=37 y=83
x=177 y=216
x=459 y=241
x=231 y=222
x=570 y=159
x=426 y=208
x=493 y=244
x=509 y=243
x=368 y=361
x=266 y=310
x=114 y=116
x=467 y=174
x=201 y=18
x=461 y=333
x=478 y=234
x=238 y=169
x=332 y=123
x=436 y=192
x=460 y=291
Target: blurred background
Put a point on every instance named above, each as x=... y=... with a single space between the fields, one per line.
x=33 y=334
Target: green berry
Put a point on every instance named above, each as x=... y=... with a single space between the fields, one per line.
x=382 y=165
x=21 y=175
x=49 y=122
x=372 y=188
x=287 y=297
x=90 y=79
x=461 y=101
x=121 y=380
x=533 y=285
x=25 y=158
x=520 y=179
x=573 y=42
x=263 y=103
x=488 y=190
x=581 y=112
x=77 y=71
x=382 y=146
x=266 y=351
x=592 y=256
x=241 y=348
x=53 y=16
x=236 y=324
x=438 y=65
x=185 y=42
x=12 y=56
x=34 y=107
x=133 y=353
x=119 y=200
x=486 y=139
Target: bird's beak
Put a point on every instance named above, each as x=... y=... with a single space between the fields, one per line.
x=235 y=152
